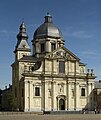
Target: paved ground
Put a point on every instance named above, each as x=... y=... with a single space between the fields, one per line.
x=52 y=117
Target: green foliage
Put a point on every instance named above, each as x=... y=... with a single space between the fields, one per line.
x=12 y=101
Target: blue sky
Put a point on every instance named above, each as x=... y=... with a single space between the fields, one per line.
x=78 y=20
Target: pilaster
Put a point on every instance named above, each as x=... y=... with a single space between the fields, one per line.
x=27 y=95
x=69 y=96
x=46 y=95
x=77 y=96
x=54 y=96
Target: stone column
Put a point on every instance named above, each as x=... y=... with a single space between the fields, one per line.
x=52 y=82
x=75 y=99
x=67 y=86
x=75 y=90
x=48 y=46
x=46 y=95
x=31 y=96
x=52 y=100
x=77 y=96
x=54 y=96
x=69 y=96
x=43 y=96
x=27 y=96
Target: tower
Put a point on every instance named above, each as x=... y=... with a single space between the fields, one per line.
x=22 y=48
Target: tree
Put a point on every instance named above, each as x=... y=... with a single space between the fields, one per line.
x=12 y=101
x=0 y=97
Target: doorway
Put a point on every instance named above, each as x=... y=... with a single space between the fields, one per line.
x=61 y=104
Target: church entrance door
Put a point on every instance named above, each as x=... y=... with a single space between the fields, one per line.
x=61 y=104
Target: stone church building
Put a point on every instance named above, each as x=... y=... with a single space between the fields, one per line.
x=51 y=77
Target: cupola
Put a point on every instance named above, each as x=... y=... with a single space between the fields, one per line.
x=47 y=29
x=47 y=37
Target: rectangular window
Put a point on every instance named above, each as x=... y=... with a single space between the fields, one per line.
x=61 y=67
x=42 y=47
x=53 y=46
x=82 y=91
x=37 y=91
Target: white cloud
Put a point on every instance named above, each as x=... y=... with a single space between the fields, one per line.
x=82 y=34
x=91 y=53
x=78 y=34
x=7 y=32
x=3 y=31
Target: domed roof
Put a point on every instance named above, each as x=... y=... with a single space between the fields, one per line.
x=48 y=29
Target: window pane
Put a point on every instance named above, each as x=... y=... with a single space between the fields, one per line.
x=82 y=91
x=53 y=46
x=61 y=67
x=42 y=47
x=37 y=91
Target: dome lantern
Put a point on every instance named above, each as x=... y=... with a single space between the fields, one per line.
x=48 y=18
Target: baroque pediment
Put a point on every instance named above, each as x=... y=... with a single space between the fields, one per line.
x=62 y=53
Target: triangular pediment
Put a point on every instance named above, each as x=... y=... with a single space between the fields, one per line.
x=62 y=53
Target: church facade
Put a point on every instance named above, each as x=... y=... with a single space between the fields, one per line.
x=52 y=78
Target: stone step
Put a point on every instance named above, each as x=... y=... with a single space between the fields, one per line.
x=62 y=112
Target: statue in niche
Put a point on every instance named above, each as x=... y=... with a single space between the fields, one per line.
x=82 y=70
x=72 y=92
x=61 y=88
x=50 y=92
